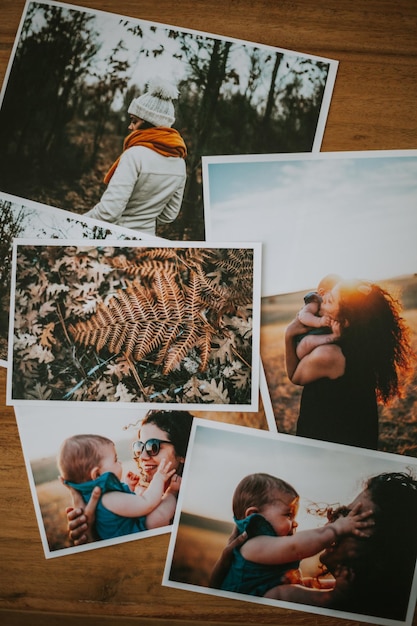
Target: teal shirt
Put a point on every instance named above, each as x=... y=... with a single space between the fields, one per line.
x=252 y=578
x=109 y=524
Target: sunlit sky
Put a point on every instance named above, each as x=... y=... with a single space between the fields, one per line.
x=322 y=473
x=354 y=214
x=144 y=64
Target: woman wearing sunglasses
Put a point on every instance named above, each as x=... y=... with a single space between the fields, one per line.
x=163 y=436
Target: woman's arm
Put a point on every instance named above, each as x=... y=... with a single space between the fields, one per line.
x=162 y=515
x=224 y=561
x=81 y=517
x=310 y=342
x=293 y=330
x=316 y=597
x=298 y=593
x=326 y=361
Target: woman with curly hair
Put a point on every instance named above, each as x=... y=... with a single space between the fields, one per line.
x=379 y=568
x=373 y=573
x=348 y=371
x=163 y=437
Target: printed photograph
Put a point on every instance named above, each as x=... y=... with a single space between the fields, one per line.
x=118 y=130
x=339 y=287
x=122 y=453
x=110 y=322
x=297 y=524
x=24 y=218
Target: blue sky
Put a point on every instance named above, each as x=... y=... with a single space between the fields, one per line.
x=354 y=214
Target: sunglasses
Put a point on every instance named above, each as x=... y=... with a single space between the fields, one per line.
x=151 y=447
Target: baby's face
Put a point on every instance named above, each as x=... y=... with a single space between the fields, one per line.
x=330 y=304
x=281 y=514
x=110 y=462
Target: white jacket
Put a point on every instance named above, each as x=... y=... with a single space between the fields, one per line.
x=145 y=187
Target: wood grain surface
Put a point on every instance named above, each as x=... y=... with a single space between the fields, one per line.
x=373 y=108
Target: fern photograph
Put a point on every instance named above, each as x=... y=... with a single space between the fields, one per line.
x=110 y=322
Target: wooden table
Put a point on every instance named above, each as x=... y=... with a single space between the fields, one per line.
x=373 y=108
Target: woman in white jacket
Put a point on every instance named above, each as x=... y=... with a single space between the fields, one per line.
x=146 y=183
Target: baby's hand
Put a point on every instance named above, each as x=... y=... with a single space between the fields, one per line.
x=164 y=470
x=174 y=485
x=355 y=523
x=335 y=326
x=132 y=480
x=325 y=320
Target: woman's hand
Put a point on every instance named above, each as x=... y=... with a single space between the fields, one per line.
x=223 y=563
x=336 y=329
x=174 y=485
x=81 y=517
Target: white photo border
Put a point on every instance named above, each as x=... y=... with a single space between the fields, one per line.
x=252 y=457
x=256 y=247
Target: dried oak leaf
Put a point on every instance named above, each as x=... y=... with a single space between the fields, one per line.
x=214 y=392
x=47 y=339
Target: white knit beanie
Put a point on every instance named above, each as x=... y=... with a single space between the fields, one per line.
x=155 y=106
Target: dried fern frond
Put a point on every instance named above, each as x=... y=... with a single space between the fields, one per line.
x=137 y=321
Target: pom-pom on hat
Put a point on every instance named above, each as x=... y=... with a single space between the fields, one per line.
x=156 y=106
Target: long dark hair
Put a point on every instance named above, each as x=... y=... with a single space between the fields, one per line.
x=375 y=337
x=383 y=573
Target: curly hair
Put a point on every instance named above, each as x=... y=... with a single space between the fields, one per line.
x=176 y=424
x=375 y=336
x=384 y=567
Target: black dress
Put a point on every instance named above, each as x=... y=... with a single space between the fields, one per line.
x=343 y=410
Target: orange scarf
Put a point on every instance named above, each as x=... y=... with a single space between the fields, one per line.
x=164 y=140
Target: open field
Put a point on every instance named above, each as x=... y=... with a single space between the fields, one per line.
x=53 y=499
x=398 y=422
x=196 y=551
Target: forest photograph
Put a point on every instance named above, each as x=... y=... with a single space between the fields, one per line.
x=25 y=218
x=61 y=135
x=112 y=322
